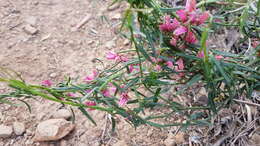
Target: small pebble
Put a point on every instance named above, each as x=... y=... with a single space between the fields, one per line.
x=126 y=42
x=113 y=7
x=53 y=75
x=53 y=129
x=30 y=29
x=116 y=16
x=5 y=131
x=62 y=113
x=19 y=128
x=31 y=20
x=110 y=44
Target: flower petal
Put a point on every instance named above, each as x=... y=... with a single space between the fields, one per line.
x=123 y=99
x=182 y=15
x=180 y=30
x=190 y=5
x=190 y=37
x=47 y=83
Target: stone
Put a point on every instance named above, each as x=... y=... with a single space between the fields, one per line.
x=31 y=20
x=53 y=75
x=110 y=44
x=116 y=16
x=30 y=29
x=179 y=138
x=1 y=116
x=62 y=113
x=53 y=129
x=5 y=131
x=203 y=91
x=19 y=128
x=113 y=7
x=63 y=143
x=29 y=132
x=126 y=42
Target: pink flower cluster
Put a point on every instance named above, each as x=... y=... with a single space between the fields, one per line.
x=180 y=27
x=46 y=83
x=255 y=43
x=178 y=66
x=90 y=103
x=109 y=91
x=92 y=76
x=201 y=55
x=115 y=56
x=121 y=58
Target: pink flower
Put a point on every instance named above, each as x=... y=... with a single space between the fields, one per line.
x=158 y=68
x=112 y=55
x=173 y=42
x=92 y=76
x=113 y=89
x=123 y=59
x=71 y=94
x=123 y=99
x=198 y=19
x=90 y=103
x=153 y=59
x=180 y=30
x=169 y=64
x=255 y=43
x=219 y=57
x=180 y=64
x=182 y=15
x=47 y=83
x=106 y=93
x=200 y=54
x=190 y=37
x=88 y=90
x=169 y=24
x=131 y=68
x=180 y=67
x=190 y=5
x=203 y=17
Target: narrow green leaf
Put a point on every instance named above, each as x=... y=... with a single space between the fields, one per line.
x=87 y=115
x=28 y=106
x=192 y=81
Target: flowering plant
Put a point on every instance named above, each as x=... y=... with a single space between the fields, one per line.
x=170 y=55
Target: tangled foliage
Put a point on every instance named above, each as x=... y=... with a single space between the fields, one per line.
x=169 y=49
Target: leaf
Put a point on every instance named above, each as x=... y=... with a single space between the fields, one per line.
x=73 y=115
x=221 y=70
x=28 y=106
x=192 y=81
x=144 y=53
x=87 y=115
x=113 y=124
x=225 y=54
x=243 y=19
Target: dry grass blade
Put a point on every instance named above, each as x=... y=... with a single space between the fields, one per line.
x=246 y=102
x=7 y=73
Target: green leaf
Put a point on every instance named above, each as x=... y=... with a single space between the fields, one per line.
x=113 y=124
x=221 y=70
x=87 y=115
x=192 y=81
x=28 y=106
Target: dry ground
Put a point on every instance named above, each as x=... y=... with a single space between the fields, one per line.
x=58 y=50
